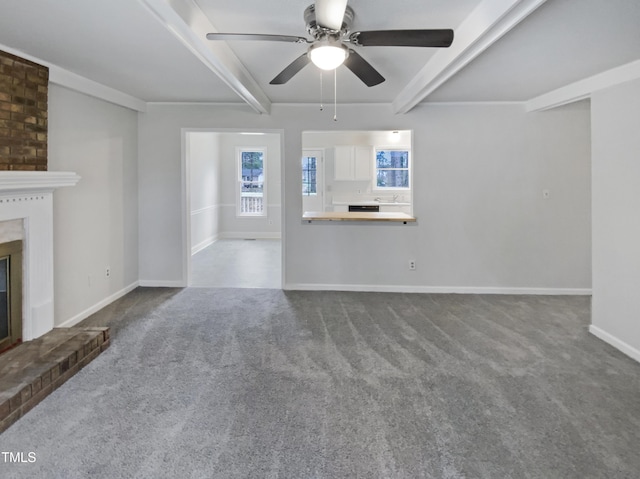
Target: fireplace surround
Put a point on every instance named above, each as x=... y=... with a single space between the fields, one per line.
x=10 y=294
x=26 y=198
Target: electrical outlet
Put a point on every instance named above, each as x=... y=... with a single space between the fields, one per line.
x=412 y=264
x=107 y=271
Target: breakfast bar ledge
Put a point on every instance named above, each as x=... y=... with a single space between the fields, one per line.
x=357 y=216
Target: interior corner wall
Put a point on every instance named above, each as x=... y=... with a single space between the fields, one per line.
x=96 y=221
x=203 y=151
x=616 y=222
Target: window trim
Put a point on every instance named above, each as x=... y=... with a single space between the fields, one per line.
x=408 y=169
x=318 y=165
x=240 y=181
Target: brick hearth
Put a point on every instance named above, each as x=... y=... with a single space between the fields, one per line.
x=32 y=370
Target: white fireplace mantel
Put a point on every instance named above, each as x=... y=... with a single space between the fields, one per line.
x=28 y=196
x=35 y=181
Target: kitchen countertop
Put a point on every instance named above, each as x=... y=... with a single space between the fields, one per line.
x=371 y=202
x=356 y=216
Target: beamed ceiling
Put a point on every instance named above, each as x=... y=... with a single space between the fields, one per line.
x=156 y=50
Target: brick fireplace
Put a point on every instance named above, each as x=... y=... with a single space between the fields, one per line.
x=48 y=356
x=26 y=214
x=26 y=187
x=23 y=114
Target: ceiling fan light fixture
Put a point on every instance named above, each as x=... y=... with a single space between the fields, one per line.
x=328 y=56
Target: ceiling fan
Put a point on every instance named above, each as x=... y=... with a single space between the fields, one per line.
x=329 y=23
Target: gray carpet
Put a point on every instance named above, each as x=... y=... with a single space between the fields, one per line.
x=226 y=383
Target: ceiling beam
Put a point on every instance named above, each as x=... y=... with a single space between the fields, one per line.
x=584 y=88
x=484 y=26
x=72 y=81
x=185 y=20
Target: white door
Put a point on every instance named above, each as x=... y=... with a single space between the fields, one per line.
x=312 y=180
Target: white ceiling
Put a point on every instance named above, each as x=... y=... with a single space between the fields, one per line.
x=120 y=44
x=562 y=42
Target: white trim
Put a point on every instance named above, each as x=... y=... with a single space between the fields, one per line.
x=484 y=26
x=392 y=288
x=152 y=283
x=186 y=206
x=211 y=239
x=584 y=88
x=250 y=235
x=185 y=199
x=204 y=244
x=233 y=205
x=240 y=180
x=34 y=181
x=374 y=173
x=205 y=209
x=73 y=81
x=94 y=89
x=28 y=197
x=97 y=307
x=316 y=105
x=197 y=103
x=472 y=103
x=620 y=345
x=426 y=102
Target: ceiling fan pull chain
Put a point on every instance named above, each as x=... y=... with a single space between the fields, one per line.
x=321 y=95
x=335 y=94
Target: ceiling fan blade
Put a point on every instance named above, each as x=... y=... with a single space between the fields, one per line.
x=330 y=13
x=403 y=38
x=294 y=67
x=256 y=37
x=363 y=69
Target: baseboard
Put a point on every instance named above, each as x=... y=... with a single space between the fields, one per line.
x=98 y=306
x=620 y=345
x=251 y=235
x=204 y=244
x=392 y=288
x=150 y=283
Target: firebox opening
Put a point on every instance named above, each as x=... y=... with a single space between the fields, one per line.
x=10 y=294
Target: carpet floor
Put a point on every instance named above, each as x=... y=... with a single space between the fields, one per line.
x=243 y=383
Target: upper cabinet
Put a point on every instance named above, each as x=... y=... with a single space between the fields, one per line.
x=353 y=163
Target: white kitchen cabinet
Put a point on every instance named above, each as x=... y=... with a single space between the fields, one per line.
x=343 y=163
x=353 y=163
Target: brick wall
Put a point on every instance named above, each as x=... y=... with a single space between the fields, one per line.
x=23 y=114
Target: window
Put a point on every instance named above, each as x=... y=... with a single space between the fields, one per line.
x=309 y=176
x=251 y=182
x=392 y=168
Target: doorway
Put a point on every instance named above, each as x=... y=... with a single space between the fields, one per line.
x=225 y=245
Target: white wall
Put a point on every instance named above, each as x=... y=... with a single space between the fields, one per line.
x=616 y=221
x=482 y=223
x=95 y=222
x=268 y=226
x=203 y=151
